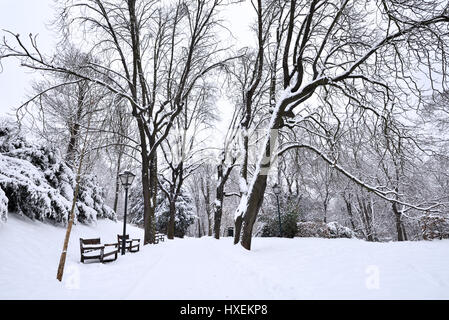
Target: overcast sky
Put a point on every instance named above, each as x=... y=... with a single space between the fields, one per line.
x=34 y=16
x=23 y=17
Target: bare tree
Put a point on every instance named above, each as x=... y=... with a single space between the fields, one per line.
x=183 y=148
x=153 y=55
x=227 y=162
x=59 y=110
x=252 y=83
x=205 y=185
x=335 y=56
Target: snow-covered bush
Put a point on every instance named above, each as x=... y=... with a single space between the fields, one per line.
x=434 y=227
x=92 y=200
x=184 y=217
x=38 y=184
x=135 y=203
x=291 y=212
x=3 y=207
x=338 y=231
x=185 y=209
x=323 y=230
x=289 y=225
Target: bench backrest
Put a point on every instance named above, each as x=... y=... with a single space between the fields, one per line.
x=90 y=241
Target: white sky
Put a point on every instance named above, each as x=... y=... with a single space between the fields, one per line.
x=25 y=16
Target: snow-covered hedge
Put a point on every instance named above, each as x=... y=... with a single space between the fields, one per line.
x=36 y=182
x=434 y=227
x=3 y=207
x=323 y=230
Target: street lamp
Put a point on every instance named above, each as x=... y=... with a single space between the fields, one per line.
x=126 y=178
x=277 y=191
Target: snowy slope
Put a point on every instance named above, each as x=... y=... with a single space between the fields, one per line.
x=210 y=269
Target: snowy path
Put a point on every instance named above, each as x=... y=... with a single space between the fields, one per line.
x=210 y=269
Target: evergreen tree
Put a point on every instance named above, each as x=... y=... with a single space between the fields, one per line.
x=36 y=182
x=185 y=209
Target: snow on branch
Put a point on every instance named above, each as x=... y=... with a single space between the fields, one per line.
x=382 y=194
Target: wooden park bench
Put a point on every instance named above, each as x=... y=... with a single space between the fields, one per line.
x=92 y=249
x=132 y=245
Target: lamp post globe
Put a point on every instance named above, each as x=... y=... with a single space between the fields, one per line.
x=126 y=178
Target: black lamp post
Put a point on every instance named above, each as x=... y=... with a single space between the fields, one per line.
x=277 y=191
x=126 y=178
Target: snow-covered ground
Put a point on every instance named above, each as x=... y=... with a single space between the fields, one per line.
x=210 y=269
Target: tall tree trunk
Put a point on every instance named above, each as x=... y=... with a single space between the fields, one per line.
x=149 y=234
x=366 y=218
x=349 y=211
x=247 y=118
x=75 y=128
x=153 y=196
x=149 y=186
x=149 y=164
x=244 y=178
x=200 y=233
x=208 y=210
x=63 y=257
x=73 y=142
x=255 y=200
x=325 y=211
x=171 y=219
x=218 y=213
x=205 y=190
x=257 y=189
x=71 y=219
x=369 y=219
x=399 y=225
x=209 y=220
x=238 y=229
x=218 y=205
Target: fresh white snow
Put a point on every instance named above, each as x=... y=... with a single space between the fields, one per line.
x=210 y=269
